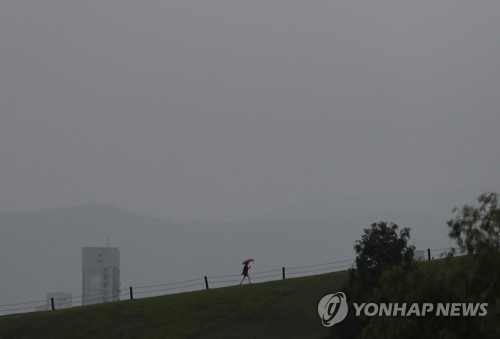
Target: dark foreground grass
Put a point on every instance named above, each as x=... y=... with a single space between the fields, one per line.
x=280 y=309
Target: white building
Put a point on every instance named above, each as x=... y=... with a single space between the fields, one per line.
x=61 y=300
x=419 y=255
x=100 y=275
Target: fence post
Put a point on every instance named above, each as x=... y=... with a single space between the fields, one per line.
x=428 y=254
x=131 y=294
x=52 y=303
x=283 y=271
x=206 y=282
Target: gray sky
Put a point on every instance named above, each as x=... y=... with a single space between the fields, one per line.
x=230 y=109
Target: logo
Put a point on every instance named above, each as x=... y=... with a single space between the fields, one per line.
x=332 y=309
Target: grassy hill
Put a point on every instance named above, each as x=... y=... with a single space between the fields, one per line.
x=279 y=309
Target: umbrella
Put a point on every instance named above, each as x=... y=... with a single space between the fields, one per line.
x=246 y=262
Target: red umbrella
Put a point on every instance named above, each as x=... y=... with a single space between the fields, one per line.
x=246 y=262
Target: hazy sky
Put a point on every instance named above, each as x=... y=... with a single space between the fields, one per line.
x=229 y=109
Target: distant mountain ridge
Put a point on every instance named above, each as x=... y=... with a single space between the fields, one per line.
x=89 y=210
x=439 y=204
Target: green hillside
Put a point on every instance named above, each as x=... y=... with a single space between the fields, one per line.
x=279 y=309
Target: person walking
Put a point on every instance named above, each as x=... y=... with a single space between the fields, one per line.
x=244 y=273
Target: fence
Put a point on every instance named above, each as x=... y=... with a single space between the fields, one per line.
x=205 y=282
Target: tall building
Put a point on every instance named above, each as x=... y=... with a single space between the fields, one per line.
x=100 y=275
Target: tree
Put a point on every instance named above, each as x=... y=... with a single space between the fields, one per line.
x=451 y=280
x=477 y=229
x=473 y=278
x=381 y=248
